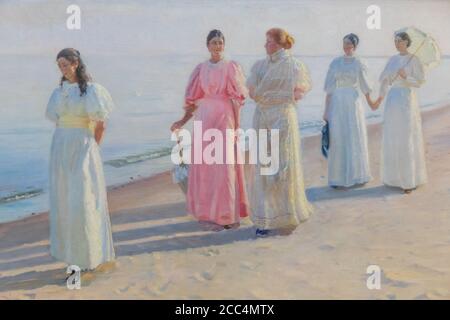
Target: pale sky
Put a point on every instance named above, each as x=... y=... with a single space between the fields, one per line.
x=180 y=27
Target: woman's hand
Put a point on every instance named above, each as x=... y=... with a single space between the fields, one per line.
x=235 y=104
x=187 y=115
x=402 y=73
x=177 y=125
x=98 y=131
x=190 y=108
x=370 y=101
x=375 y=105
x=299 y=93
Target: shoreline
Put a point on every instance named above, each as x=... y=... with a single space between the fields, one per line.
x=427 y=109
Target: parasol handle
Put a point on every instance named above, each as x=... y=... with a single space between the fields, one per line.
x=410 y=58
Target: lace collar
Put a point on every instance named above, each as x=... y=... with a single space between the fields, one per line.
x=277 y=56
x=67 y=84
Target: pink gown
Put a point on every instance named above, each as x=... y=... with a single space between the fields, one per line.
x=216 y=192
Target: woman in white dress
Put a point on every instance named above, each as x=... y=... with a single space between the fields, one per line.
x=80 y=228
x=348 y=156
x=276 y=83
x=403 y=154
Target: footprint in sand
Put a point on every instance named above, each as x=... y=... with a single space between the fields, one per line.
x=424 y=269
x=208 y=275
x=391 y=296
x=211 y=252
x=390 y=280
x=122 y=290
x=327 y=247
x=264 y=246
x=204 y=276
x=423 y=296
x=164 y=286
x=435 y=294
x=249 y=265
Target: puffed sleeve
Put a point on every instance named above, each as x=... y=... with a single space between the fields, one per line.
x=330 y=80
x=194 y=89
x=363 y=78
x=53 y=104
x=303 y=81
x=252 y=80
x=236 y=88
x=417 y=76
x=98 y=102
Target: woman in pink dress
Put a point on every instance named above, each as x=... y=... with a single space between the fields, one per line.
x=215 y=93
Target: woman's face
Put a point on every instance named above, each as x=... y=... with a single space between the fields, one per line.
x=348 y=47
x=216 y=46
x=400 y=44
x=271 y=45
x=67 y=68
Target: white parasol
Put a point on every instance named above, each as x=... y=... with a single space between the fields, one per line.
x=423 y=46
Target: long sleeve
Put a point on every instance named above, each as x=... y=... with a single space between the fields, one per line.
x=98 y=102
x=303 y=82
x=384 y=87
x=236 y=88
x=194 y=89
x=330 y=80
x=363 y=79
x=52 y=105
x=253 y=80
x=386 y=78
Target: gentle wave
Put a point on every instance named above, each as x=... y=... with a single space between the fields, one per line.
x=165 y=151
x=132 y=159
x=21 y=195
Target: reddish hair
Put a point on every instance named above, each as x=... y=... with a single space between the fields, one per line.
x=282 y=37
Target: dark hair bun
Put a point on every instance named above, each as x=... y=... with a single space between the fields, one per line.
x=213 y=34
x=353 y=38
x=404 y=36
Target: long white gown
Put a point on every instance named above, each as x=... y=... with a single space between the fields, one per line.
x=279 y=200
x=403 y=154
x=348 y=157
x=80 y=228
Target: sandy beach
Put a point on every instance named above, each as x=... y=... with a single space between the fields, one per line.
x=164 y=254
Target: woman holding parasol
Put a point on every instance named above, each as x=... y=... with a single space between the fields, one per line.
x=403 y=154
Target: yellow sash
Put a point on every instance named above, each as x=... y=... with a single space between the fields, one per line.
x=70 y=121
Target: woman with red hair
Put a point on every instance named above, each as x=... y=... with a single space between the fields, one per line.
x=276 y=84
